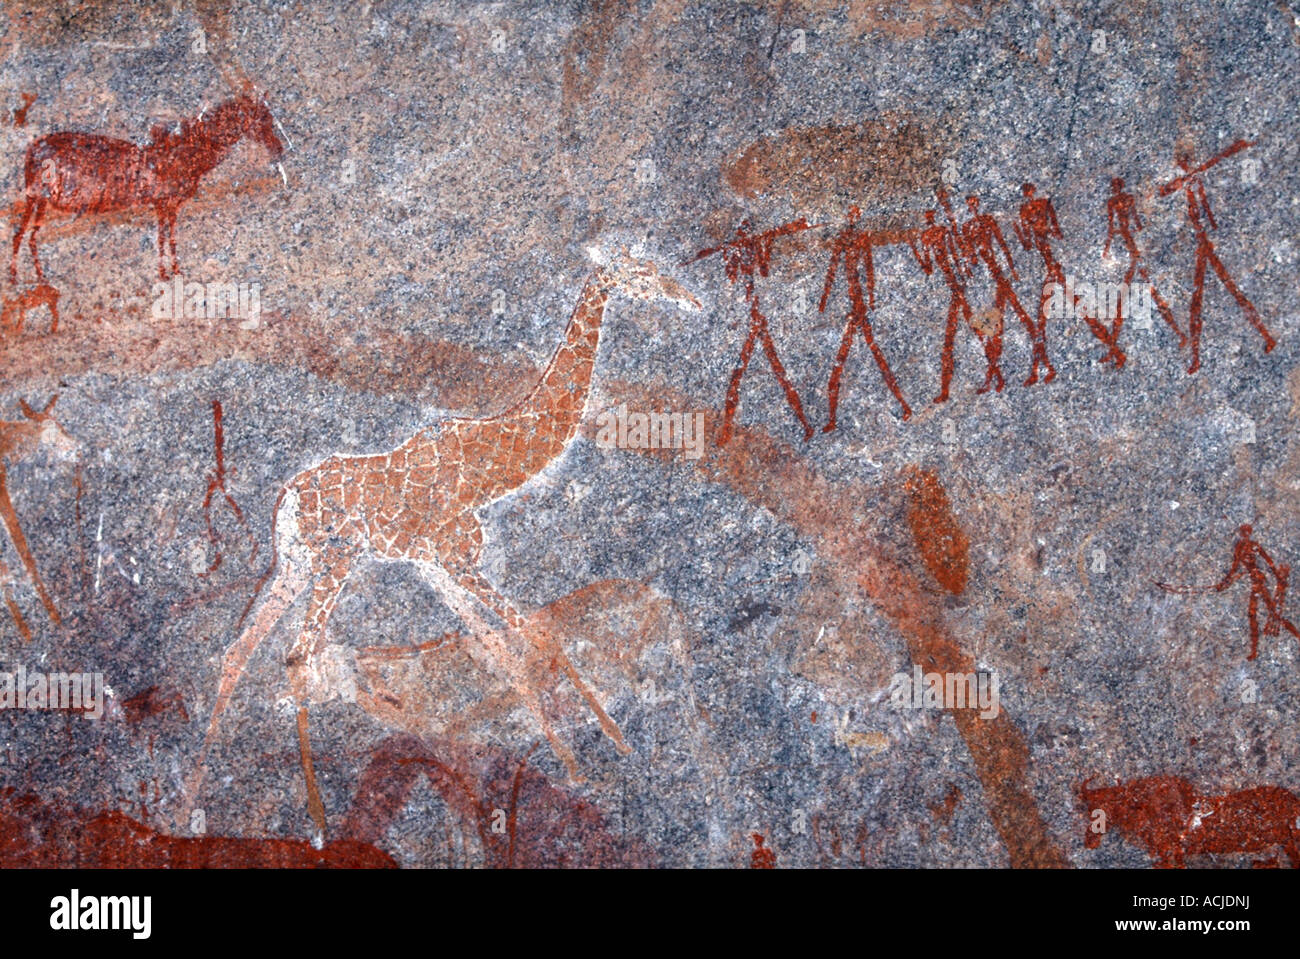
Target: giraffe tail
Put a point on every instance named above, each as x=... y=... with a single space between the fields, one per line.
x=284 y=589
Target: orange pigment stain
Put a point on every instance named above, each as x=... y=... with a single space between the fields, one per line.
x=943 y=545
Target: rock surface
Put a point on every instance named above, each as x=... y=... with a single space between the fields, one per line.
x=739 y=605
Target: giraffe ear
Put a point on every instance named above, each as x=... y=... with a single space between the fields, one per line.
x=50 y=405
x=28 y=412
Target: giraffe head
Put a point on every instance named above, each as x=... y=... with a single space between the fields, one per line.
x=640 y=279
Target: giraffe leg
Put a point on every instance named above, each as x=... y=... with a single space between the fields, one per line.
x=461 y=555
x=291 y=571
x=486 y=594
x=303 y=661
x=329 y=576
x=501 y=659
x=315 y=808
x=287 y=587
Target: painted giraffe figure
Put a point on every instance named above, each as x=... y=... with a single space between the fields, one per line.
x=418 y=504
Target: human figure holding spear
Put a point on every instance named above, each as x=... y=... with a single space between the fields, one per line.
x=1198 y=204
x=742 y=255
x=1246 y=557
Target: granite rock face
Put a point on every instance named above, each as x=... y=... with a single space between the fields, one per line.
x=583 y=634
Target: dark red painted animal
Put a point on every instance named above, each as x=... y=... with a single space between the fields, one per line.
x=86 y=173
x=1167 y=816
x=540 y=826
x=36 y=834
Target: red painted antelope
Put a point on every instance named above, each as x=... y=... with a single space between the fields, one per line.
x=1167 y=816
x=86 y=173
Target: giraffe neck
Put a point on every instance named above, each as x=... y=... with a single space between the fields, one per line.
x=553 y=411
x=511 y=448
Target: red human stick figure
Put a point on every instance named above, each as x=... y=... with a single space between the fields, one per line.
x=1246 y=554
x=217 y=483
x=948 y=246
x=939 y=246
x=1035 y=228
x=742 y=255
x=1122 y=218
x=853 y=246
x=762 y=857
x=1192 y=184
x=979 y=234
